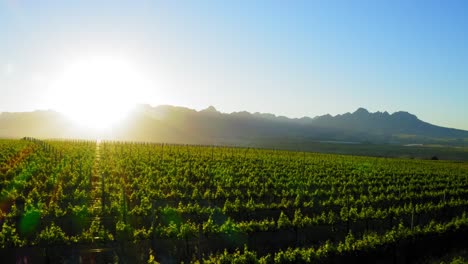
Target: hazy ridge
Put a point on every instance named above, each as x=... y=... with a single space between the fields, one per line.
x=183 y=125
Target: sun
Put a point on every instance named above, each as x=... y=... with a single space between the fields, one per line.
x=97 y=92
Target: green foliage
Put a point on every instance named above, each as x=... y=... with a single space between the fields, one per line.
x=9 y=236
x=151 y=258
x=63 y=192
x=52 y=235
x=284 y=222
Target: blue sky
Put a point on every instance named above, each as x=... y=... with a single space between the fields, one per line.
x=293 y=58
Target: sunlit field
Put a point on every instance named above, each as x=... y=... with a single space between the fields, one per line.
x=72 y=201
x=320 y=131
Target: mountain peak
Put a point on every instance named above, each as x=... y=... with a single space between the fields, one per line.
x=210 y=109
x=361 y=111
x=404 y=115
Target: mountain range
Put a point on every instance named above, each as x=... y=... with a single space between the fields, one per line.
x=173 y=124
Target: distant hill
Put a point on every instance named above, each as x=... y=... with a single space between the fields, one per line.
x=383 y=123
x=42 y=124
x=183 y=125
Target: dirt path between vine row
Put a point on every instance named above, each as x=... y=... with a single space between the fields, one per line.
x=96 y=184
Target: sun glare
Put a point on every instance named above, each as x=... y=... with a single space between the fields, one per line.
x=98 y=92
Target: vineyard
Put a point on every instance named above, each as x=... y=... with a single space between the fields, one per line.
x=139 y=202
